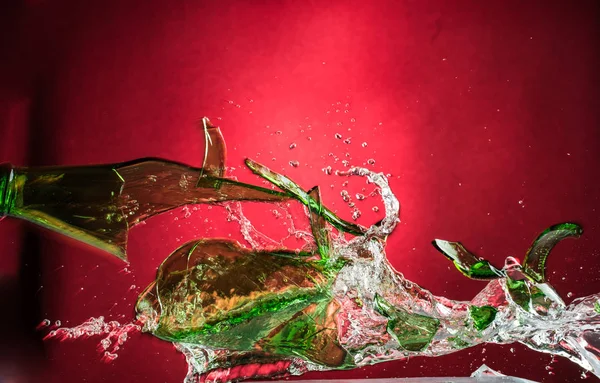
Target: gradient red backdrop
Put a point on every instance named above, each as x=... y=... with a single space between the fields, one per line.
x=484 y=113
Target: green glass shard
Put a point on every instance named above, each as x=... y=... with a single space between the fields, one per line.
x=295 y=191
x=318 y=224
x=535 y=259
x=215 y=152
x=458 y=343
x=519 y=293
x=482 y=316
x=310 y=334
x=216 y=293
x=98 y=204
x=597 y=307
x=414 y=332
x=467 y=263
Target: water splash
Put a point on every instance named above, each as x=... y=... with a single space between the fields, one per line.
x=116 y=334
x=365 y=311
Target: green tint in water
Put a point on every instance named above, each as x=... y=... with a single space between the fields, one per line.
x=414 y=332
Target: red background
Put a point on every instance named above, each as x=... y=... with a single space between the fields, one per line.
x=471 y=106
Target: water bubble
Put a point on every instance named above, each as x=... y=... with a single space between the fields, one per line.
x=348 y=141
x=338 y=136
x=278 y=132
x=58 y=323
x=375 y=209
x=345 y=195
x=353 y=119
x=512 y=350
x=569 y=294
x=327 y=170
x=356 y=214
x=309 y=138
x=371 y=161
x=360 y=197
x=294 y=164
x=346 y=163
x=292 y=145
x=364 y=144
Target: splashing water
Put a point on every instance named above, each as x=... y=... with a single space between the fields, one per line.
x=238 y=313
x=347 y=308
x=116 y=334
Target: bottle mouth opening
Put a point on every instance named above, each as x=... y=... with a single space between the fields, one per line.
x=6 y=178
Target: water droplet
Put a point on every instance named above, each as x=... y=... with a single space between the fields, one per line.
x=294 y=163
x=512 y=350
x=327 y=170
x=375 y=209
x=353 y=119
x=45 y=323
x=345 y=195
x=108 y=356
x=58 y=323
x=348 y=141
x=105 y=343
x=569 y=294
x=360 y=197
x=364 y=144
x=356 y=214
x=292 y=145
x=346 y=163
x=338 y=136
x=371 y=161
x=278 y=132
x=309 y=138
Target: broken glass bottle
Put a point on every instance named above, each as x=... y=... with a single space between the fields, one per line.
x=238 y=312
